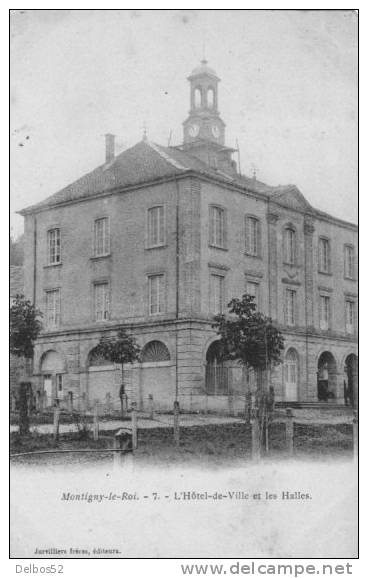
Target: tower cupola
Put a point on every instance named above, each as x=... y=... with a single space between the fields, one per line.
x=204 y=122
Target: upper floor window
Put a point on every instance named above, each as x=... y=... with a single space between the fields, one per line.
x=102 y=301
x=102 y=237
x=325 y=311
x=290 y=307
x=217 y=226
x=350 y=315
x=252 y=288
x=156 y=294
x=290 y=246
x=53 y=308
x=349 y=261
x=217 y=296
x=324 y=255
x=156 y=226
x=210 y=97
x=53 y=241
x=252 y=236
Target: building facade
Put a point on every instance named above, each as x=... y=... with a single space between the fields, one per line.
x=159 y=239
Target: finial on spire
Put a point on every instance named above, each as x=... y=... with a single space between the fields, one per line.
x=144 y=127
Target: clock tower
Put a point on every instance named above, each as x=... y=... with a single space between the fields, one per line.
x=204 y=122
x=204 y=130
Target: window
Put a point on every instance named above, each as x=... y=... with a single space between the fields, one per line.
x=291 y=367
x=197 y=97
x=350 y=315
x=349 y=261
x=210 y=97
x=217 y=294
x=289 y=246
x=155 y=226
x=156 y=294
x=102 y=301
x=53 y=308
x=217 y=227
x=252 y=288
x=324 y=312
x=252 y=236
x=290 y=309
x=102 y=237
x=53 y=241
x=324 y=259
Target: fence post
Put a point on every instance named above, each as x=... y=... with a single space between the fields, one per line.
x=134 y=426
x=56 y=421
x=95 y=421
x=256 y=441
x=355 y=436
x=151 y=406
x=176 y=423
x=124 y=405
x=289 y=431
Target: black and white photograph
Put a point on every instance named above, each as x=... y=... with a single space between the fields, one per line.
x=183 y=284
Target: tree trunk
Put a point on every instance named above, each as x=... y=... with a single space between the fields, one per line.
x=24 y=389
x=122 y=395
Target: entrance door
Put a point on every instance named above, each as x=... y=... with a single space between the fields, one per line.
x=291 y=376
x=47 y=387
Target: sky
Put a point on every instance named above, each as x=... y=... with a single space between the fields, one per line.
x=288 y=93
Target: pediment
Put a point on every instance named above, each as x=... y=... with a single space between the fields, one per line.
x=292 y=198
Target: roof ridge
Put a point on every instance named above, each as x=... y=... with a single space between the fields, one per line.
x=166 y=157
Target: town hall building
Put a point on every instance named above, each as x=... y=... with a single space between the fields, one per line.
x=158 y=240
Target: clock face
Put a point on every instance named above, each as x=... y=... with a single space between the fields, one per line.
x=193 y=130
x=215 y=131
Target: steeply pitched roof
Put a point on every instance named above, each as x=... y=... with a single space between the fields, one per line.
x=16 y=280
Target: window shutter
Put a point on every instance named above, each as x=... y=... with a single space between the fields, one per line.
x=211 y=230
x=259 y=238
x=247 y=234
x=224 y=233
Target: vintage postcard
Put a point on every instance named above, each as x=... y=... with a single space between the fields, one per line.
x=183 y=284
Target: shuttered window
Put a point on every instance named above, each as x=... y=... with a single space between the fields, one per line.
x=217 y=284
x=156 y=294
x=53 y=242
x=53 y=308
x=289 y=246
x=156 y=226
x=217 y=227
x=252 y=236
x=325 y=312
x=102 y=237
x=324 y=257
x=102 y=301
x=349 y=261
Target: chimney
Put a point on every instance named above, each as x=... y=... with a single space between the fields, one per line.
x=109 y=147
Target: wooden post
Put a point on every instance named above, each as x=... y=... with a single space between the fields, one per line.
x=256 y=441
x=176 y=423
x=134 y=426
x=23 y=408
x=151 y=407
x=95 y=421
x=56 y=422
x=355 y=437
x=289 y=431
